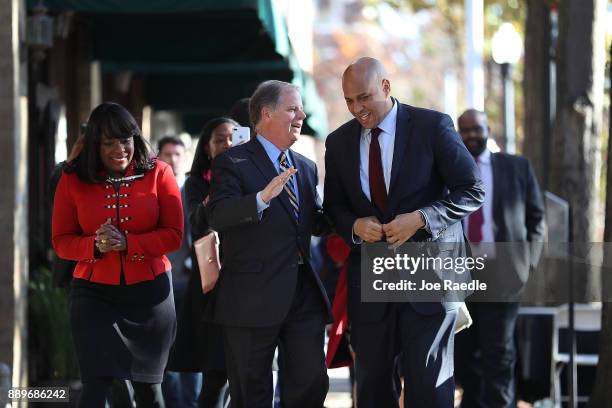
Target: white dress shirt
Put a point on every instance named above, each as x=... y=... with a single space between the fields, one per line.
x=273 y=153
x=386 y=140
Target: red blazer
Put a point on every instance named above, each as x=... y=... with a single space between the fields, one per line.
x=147 y=210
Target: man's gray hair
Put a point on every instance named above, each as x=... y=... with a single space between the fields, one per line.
x=268 y=93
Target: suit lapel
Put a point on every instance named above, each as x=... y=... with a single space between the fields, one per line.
x=402 y=135
x=261 y=160
x=268 y=171
x=497 y=185
x=353 y=147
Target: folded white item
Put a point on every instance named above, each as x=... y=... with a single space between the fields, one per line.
x=464 y=320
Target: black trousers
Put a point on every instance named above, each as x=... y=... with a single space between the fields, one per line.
x=249 y=353
x=213 y=385
x=421 y=344
x=96 y=393
x=485 y=356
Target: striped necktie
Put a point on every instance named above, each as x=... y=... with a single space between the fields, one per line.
x=289 y=186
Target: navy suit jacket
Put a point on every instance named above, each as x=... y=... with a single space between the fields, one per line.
x=431 y=170
x=518 y=218
x=518 y=206
x=260 y=256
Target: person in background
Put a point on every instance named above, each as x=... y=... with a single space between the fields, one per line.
x=513 y=214
x=118 y=212
x=171 y=150
x=240 y=113
x=339 y=353
x=199 y=345
x=180 y=389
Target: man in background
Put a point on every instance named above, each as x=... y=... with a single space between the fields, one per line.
x=513 y=215
x=171 y=150
x=180 y=389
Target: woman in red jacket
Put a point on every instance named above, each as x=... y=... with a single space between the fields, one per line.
x=118 y=212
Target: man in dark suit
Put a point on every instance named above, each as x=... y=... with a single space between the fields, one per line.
x=265 y=205
x=513 y=216
x=395 y=173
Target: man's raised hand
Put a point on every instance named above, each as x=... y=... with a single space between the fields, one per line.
x=275 y=186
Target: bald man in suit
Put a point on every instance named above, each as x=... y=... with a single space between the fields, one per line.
x=396 y=173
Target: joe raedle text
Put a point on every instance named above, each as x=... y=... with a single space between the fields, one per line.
x=424 y=285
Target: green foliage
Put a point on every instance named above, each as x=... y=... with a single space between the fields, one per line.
x=50 y=328
x=419 y=96
x=450 y=17
x=428 y=4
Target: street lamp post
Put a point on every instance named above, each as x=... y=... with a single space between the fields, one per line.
x=509 y=114
x=507 y=47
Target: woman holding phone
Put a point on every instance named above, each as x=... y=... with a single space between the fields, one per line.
x=199 y=344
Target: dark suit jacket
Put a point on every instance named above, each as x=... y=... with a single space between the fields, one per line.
x=518 y=220
x=178 y=258
x=260 y=256
x=432 y=171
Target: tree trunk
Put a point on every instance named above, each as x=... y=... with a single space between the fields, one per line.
x=575 y=165
x=537 y=121
x=602 y=392
x=536 y=88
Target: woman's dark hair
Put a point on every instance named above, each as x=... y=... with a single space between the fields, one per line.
x=240 y=112
x=115 y=122
x=201 y=161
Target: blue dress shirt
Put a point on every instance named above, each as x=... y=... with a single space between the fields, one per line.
x=273 y=152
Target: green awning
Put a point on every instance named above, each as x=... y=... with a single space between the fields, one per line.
x=144 y=6
x=197 y=57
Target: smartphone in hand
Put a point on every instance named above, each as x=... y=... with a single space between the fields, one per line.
x=241 y=134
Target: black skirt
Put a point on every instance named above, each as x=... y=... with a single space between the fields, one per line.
x=199 y=341
x=123 y=331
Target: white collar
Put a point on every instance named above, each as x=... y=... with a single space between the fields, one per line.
x=484 y=157
x=388 y=123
